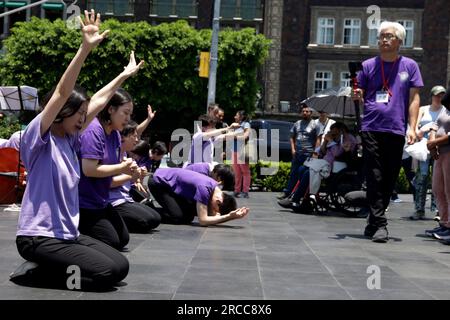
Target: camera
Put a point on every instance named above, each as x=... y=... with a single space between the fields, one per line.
x=354 y=67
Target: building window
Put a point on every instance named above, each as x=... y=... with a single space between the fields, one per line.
x=325 y=31
x=352 y=31
x=322 y=80
x=176 y=8
x=112 y=7
x=409 y=27
x=345 y=79
x=241 y=9
x=372 y=39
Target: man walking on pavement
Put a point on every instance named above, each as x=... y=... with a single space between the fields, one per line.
x=389 y=89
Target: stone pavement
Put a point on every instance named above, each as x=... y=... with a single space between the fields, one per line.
x=271 y=254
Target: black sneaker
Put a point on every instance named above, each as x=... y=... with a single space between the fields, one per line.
x=285 y=203
x=381 y=236
x=23 y=273
x=431 y=231
x=370 y=230
x=244 y=195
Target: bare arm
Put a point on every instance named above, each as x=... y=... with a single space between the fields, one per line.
x=292 y=140
x=91 y=38
x=419 y=117
x=213 y=133
x=414 y=105
x=119 y=180
x=101 y=97
x=92 y=168
x=144 y=124
x=206 y=220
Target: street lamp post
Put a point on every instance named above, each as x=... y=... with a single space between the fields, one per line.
x=213 y=59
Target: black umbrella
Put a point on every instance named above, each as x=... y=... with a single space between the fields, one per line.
x=337 y=102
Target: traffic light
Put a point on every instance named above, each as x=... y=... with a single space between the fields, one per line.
x=203 y=70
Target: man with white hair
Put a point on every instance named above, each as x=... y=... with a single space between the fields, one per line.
x=389 y=89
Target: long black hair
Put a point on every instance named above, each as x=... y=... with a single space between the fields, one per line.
x=72 y=105
x=120 y=97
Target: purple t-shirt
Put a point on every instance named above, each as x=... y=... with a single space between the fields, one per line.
x=401 y=75
x=150 y=164
x=50 y=203
x=186 y=183
x=96 y=144
x=201 y=150
x=13 y=141
x=120 y=195
x=337 y=149
x=201 y=167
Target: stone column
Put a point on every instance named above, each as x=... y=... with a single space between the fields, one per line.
x=273 y=23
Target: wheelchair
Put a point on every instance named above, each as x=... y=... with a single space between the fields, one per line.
x=342 y=191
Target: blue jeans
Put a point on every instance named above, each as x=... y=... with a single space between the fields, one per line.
x=297 y=161
x=421 y=186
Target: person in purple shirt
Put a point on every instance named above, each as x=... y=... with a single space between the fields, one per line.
x=203 y=141
x=149 y=157
x=184 y=194
x=220 y=172
x=47 y=234
x=389 y=89
x=138 y=217
x=101 y=160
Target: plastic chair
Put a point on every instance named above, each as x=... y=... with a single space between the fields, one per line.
x=12 y=176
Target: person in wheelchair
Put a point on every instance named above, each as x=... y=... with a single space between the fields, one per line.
x=338 y=144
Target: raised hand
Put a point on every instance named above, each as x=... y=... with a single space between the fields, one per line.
x=132 y=68
x=90 y=29
x=151 y=114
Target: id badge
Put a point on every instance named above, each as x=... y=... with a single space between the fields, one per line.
x=382 y=97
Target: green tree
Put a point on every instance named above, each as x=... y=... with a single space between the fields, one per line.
x=38 y=51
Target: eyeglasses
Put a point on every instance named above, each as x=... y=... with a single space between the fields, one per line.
x=387 y=36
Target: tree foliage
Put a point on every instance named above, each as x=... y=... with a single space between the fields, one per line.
x=37 y=53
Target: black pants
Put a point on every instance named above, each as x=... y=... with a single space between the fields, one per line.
x=101 y=266
x=137 y=195
x=175 y=209
x=105 y=225
x=410 y=174
x=382 y=158
x=138 y=217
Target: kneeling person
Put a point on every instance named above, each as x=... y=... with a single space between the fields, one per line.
x=184 y=194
